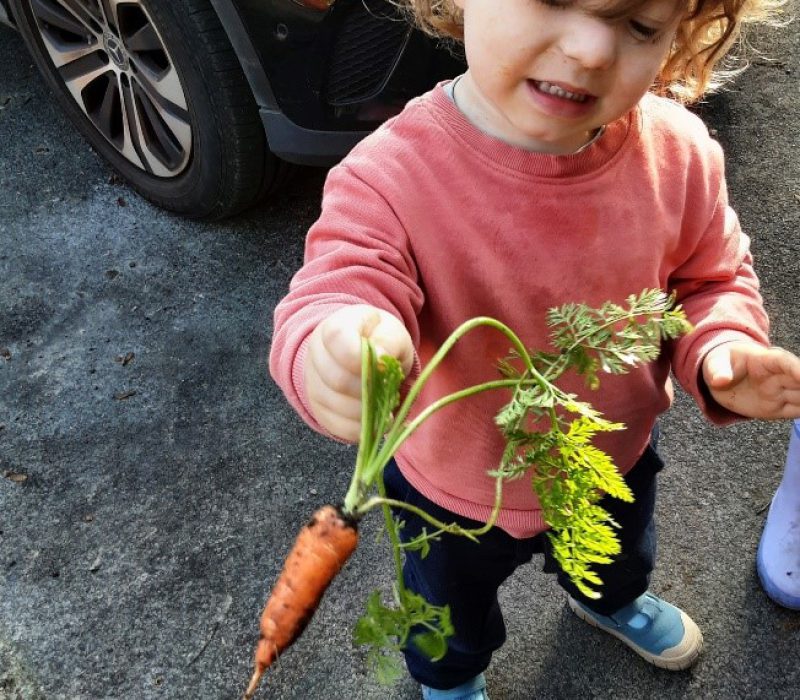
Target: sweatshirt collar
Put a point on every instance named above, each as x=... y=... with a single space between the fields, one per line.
x=593 y=156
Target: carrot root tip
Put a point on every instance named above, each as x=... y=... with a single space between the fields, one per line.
x=253 y=685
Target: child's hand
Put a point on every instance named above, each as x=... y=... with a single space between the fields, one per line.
x=333 y=364
x=754 y=381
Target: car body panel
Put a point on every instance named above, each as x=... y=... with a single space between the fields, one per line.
x=288 y=140
x=292 y=55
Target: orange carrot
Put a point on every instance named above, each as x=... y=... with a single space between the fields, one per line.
x=322 y=548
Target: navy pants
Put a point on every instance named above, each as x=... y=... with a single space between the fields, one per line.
x=465 y=575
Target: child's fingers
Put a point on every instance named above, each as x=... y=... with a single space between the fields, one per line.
x=335 y=424
x=718 y=367
x=339 y=336
x=391 y=338
x=341 y=424
x=778 y=361
x=786 y=405
x=732 y=362
x=341 y=333
x=332 y=367
x=335 y=411
x=334 y=391
x=792 y=399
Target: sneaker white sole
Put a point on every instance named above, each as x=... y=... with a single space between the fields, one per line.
x=677 y=658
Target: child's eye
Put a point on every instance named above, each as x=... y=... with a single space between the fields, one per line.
x=642 y=31
x=556 y=4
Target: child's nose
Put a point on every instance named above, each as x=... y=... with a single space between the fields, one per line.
x=592 y=42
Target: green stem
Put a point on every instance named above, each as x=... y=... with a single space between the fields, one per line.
x=355 y=491
x=394 y=537
x=440 y=354
x=451 y=398
x=388 y=449
x=452 y=528
x=399 y=431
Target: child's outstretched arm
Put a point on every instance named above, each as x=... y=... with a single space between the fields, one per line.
x=332 y=370
x=754 y=381
x=359 y=278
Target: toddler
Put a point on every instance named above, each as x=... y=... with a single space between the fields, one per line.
x=555 y=169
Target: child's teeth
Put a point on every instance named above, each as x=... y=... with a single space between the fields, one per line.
x=544 y=86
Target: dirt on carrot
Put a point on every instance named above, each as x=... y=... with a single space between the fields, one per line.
x=321 y=549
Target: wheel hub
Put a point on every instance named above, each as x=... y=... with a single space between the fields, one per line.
x=116 y=50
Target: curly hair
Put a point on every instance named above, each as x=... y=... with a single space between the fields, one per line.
x=707 y=32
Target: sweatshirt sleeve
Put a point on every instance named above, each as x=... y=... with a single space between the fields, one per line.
x=357 y=252
x=718 y=288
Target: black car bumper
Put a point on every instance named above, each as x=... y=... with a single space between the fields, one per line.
x=295 y=144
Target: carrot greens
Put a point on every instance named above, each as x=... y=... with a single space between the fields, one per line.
x=548 y=435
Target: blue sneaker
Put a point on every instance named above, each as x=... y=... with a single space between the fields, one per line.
x=659 y=632
x=471 y=690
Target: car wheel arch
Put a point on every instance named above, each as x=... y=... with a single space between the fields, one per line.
x=246 y=52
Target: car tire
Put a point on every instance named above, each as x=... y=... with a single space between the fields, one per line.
x=156 y=88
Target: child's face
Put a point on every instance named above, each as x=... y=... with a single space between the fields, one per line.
x=521 y=52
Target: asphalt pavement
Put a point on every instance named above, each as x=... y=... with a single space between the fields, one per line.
x=152 y=477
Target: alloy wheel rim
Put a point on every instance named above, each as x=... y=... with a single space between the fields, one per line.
x=115 y=65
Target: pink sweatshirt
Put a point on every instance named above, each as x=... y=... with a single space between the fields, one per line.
x=437 y=222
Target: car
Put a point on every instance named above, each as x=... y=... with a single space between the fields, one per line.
x=203 y=106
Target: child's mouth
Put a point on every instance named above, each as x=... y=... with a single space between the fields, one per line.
x=557 y=91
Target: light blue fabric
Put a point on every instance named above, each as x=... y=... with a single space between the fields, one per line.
x=649 y=622
x=471 y=690
x=773 y=589
x=778 y=558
